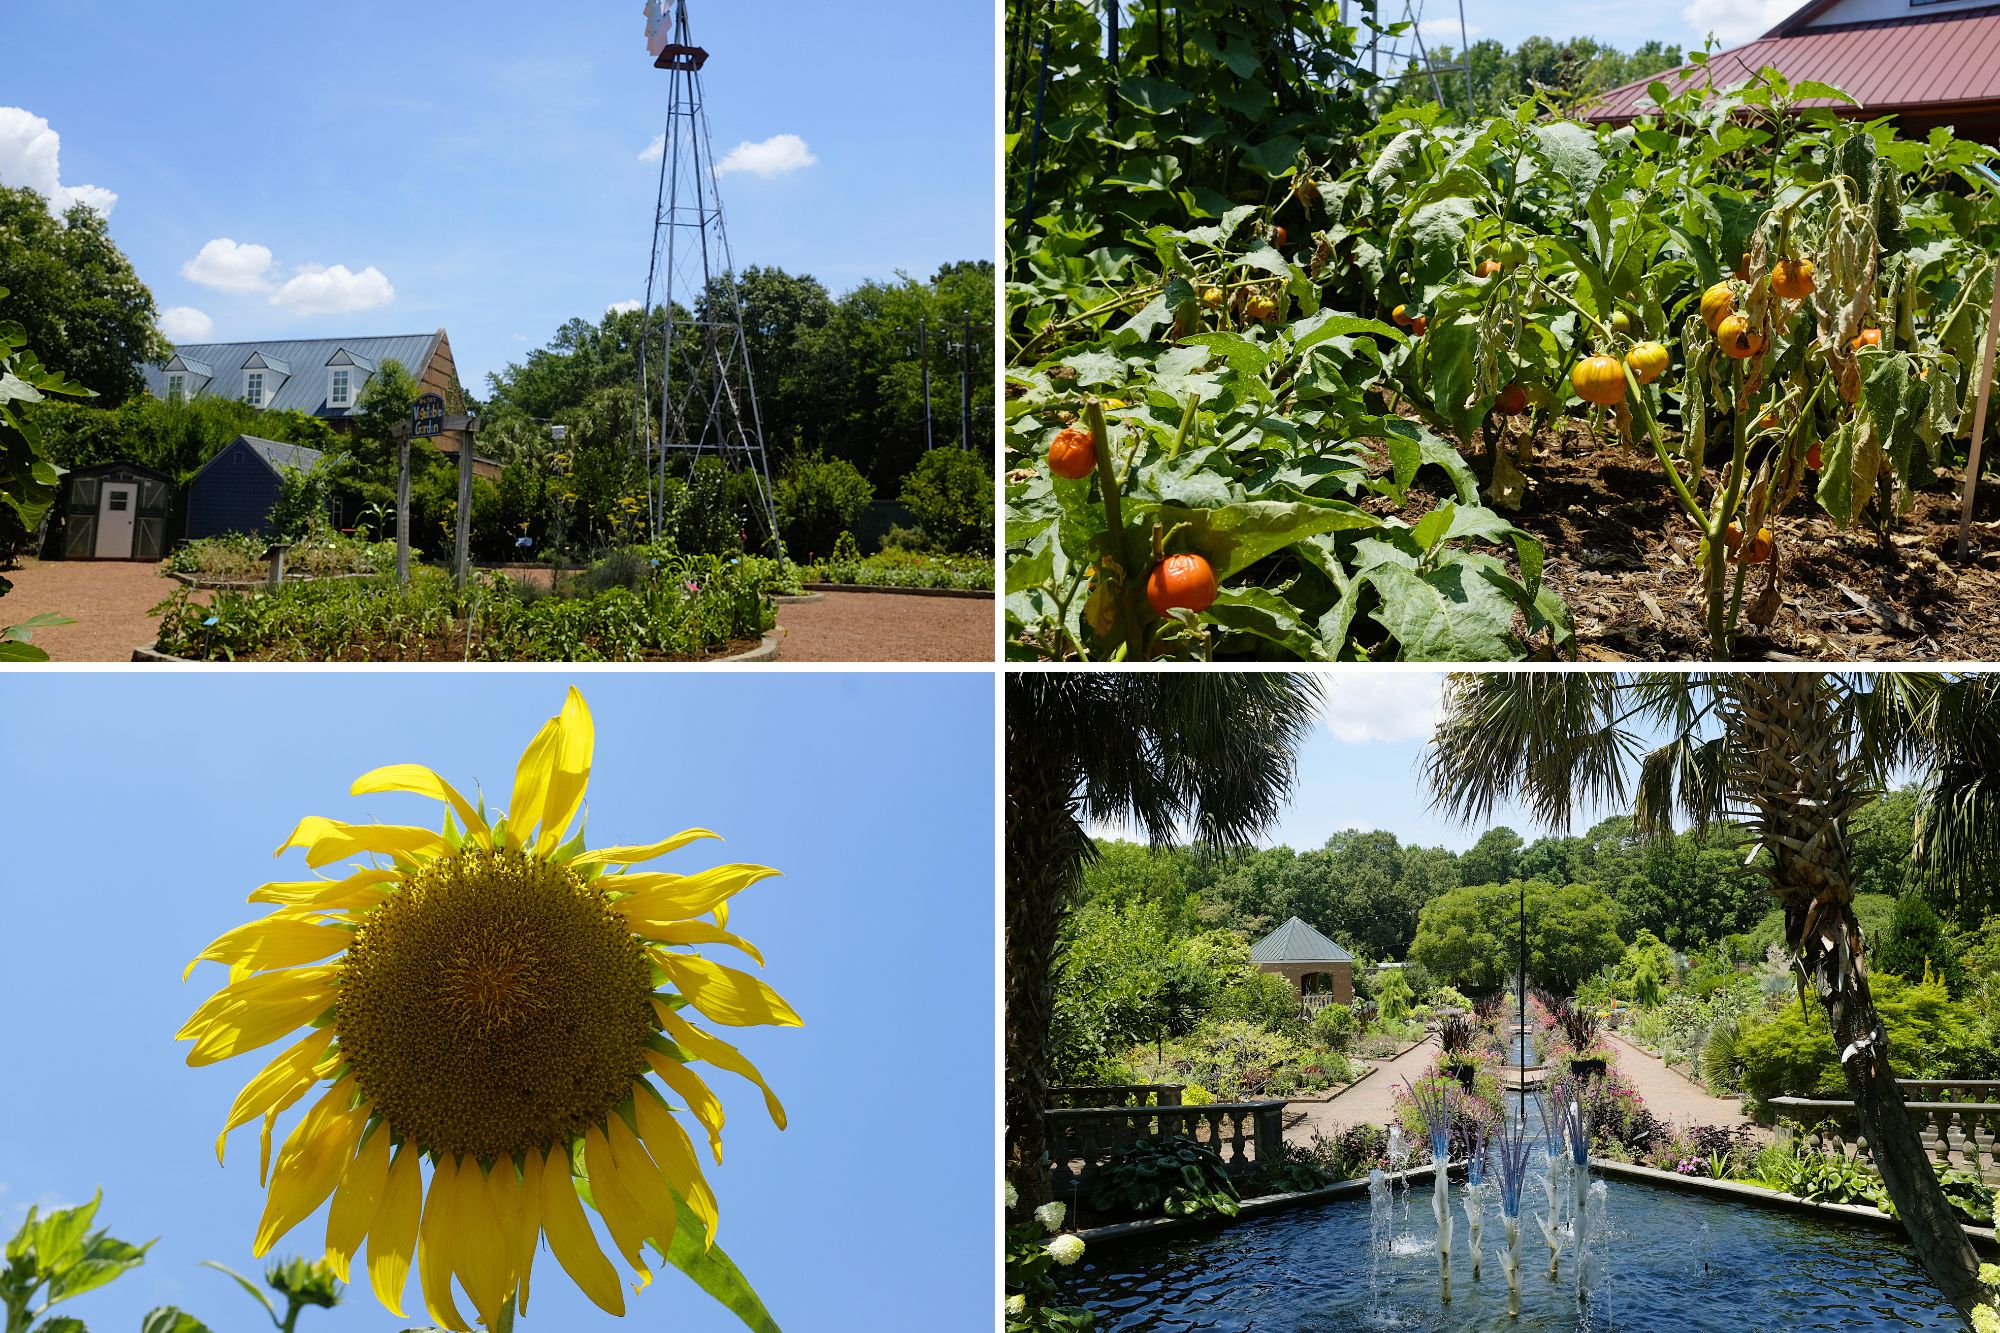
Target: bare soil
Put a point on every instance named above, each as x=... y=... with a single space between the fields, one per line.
x=1622 y=555
x=108 y=599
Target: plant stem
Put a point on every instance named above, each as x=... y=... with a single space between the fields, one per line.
x=505 y=1324
x=1114 y=514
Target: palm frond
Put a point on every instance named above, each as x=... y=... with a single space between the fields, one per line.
x=1552 y=740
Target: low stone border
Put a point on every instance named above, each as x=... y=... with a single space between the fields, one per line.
x=1981 y=1237
x=902 y=592
x=1269 y=1203
x=1366 y=1070
x=765 y=651
x=255 y=585
x=801 y=600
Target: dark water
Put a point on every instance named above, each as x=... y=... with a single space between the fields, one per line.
x=1664 y=1261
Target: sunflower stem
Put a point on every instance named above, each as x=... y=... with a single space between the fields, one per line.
x=505 y=1324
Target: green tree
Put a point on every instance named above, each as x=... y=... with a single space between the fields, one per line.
x=1470 y=937
x=27 y=479
x=76 y=296
x=1494 y=859
x=1392 y=995
x=1791 y=756
x=1208 y=754
x=1917 y=944
x=819 y=498
x=1647 y=968
x=951 y=494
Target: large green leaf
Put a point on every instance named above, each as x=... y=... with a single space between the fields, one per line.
x=714 y=1272
x=1234 y=537
x=1263 y=613
x=1450 y=614
x=167 y=1319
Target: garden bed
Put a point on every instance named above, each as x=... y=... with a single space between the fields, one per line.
x=1257 y=1207
x=1622 y=556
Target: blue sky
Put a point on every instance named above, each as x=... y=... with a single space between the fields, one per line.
x=484 y=161
x=145 y=808
x=1624 y=24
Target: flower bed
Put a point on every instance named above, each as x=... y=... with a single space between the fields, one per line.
x=680 y=613
x=236 y=558
x=906 y=569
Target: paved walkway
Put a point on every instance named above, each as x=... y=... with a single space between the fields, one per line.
x=1367 y=1102
x=1670 y=1094
x=887 y=627
x=108 y=599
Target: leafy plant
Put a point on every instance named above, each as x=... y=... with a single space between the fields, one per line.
x=817 y=499
x=1035 y=1247
x=303 y=1285
x=57 y=1257
x=1173 y=1175
x=951 y=494
x=28 y=480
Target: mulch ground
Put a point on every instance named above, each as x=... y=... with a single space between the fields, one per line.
x=108 y=599
x=1622 y=555
x=887 y=627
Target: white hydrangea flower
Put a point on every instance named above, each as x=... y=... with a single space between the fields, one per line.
x=1050 y=1215
x=1017 y=1304
x=1013 y=1198
x=1066 y=1250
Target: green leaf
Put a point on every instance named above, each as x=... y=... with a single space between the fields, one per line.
x=1272 y=158
x=61 y=1323
x=1263 y=613
x=1432 y=527
x=14 y=651
x=714 y=1272
x=1096 y=368
x=167 y=1319
x=1449 y=614
x=255 y=1291
x=1234 y=537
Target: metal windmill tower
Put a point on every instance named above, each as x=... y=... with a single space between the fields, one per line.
x=696 y=390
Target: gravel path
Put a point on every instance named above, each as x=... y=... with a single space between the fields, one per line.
x=1670 y=1094
x=1366 y=1102
x=887 y=627
x=108 y=599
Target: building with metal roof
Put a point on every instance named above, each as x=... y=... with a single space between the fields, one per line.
x=236 y=490
x=1925 y=62
x=1321 y=972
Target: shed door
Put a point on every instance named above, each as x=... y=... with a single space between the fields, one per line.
x=116 y=512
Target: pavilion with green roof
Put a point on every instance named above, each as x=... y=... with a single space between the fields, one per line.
x=1321 y=972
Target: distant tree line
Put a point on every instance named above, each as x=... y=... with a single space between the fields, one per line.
x=1570 y=70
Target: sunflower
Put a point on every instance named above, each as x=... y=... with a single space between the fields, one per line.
x=495 y=1001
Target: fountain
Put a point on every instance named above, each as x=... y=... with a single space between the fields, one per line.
x=1476 y=1189
x=1576 y=1123
x=1381 y=1231
x=1434 y=1103
x=1548 y=1107
x=1511 y=1169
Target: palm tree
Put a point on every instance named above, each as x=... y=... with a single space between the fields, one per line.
x=1790 y=755
x=1207 y=755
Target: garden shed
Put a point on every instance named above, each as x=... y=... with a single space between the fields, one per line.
x=1321 y=972
x=111 y=511
x=236 y=490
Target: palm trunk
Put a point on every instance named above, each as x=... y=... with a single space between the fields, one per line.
x=1045 y=850
x=1804 y=791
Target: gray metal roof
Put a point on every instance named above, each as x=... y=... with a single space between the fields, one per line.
x=1296 y=942
x=274 y=452
x=304 y=390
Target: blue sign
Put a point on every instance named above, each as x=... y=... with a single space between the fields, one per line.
x=427 y=417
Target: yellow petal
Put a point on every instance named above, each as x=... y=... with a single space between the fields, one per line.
x=622 y=1215
x=517 y=1202
x=631 y=856
x=531 y=785
x=640 y=1180
x=291 y=1072
x=278 y=1108
x=674 y=1151
x=273 y=941
x=423 y=782
x=733 y=998
x=249 y=1026
x=361 y=887
x=479 y=1245
x=707 y=1046
x=356 y=1200
x=327 y=840
x=572 y=1241
x=569 y=770
x=699 y=932
x=682 y=896
x=393 y=1237
x=706 y=1106
x=435 y=1236
x=310 y=1164
x=270 y=988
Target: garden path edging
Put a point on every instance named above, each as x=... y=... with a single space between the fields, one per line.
x=1267 y=1203
x=765 y=651
x=900 y=592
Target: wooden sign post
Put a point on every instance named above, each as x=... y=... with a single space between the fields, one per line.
x=426 y=423
x=468 y=435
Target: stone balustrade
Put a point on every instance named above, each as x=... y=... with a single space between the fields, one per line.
x=1950 y=1089
x=1114 y=1095
x=1961 y=1134
x=1241 y=1133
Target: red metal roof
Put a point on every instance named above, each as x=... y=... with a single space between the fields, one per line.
x=1896 y=65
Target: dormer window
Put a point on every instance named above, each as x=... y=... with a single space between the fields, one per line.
x=177 y=388
x=340 y=392
x=253 y=388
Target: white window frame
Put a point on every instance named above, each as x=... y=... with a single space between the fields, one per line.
x=340 y=386
x=177 y=388
x=253 y=388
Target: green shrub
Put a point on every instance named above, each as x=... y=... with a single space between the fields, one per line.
x=1392 y=996
x=1790 y=1053
x=818 y=498
x=1916 y=945
x=1173 y=1175
x=1334 y=1027
x=896 y=567
x=951 y=494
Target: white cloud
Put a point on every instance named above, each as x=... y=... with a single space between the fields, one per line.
x=1736 y=21
x=622 y=307
x=318 y=290
x=773 y=157
x=185 y=324
x=1444 y=32
x=1382 y=706
x=30 y=155
x=228 y=267
x=655 y=150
